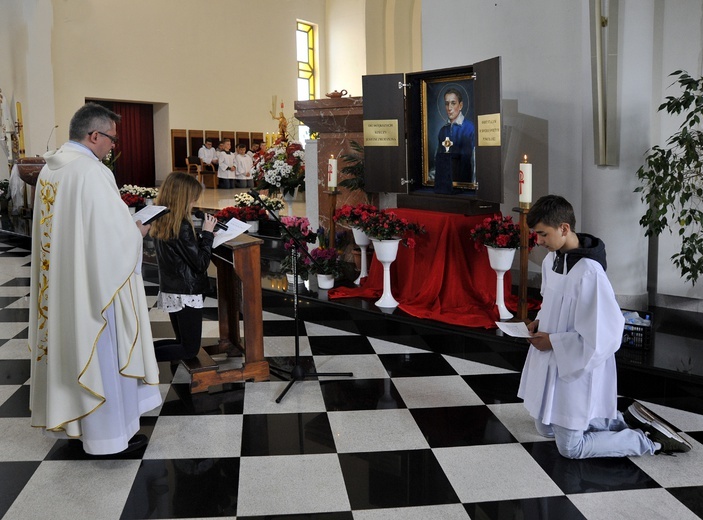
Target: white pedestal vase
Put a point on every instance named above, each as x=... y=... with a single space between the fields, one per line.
x=386 y=253
x=288 y=198
x=325 y=281
x=132 y=210
x=363 y=242
x=275 y=212
x=254 y=226
x=501 y=260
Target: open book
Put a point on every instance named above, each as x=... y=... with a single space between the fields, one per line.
x=235 y=227
x=150 y=213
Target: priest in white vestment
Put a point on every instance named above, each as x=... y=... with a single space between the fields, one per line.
x=94 y=371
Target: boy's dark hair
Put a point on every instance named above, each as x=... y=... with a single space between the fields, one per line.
x=241 y=145
x=551 y=210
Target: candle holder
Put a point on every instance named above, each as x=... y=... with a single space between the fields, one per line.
x=333 y=207
x=524 y=252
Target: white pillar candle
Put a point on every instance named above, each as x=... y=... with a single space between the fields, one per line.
x=525 y=182
x=332 y=172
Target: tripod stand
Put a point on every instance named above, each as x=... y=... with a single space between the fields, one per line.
x=298 y=372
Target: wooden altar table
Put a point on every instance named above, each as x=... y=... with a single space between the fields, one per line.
x=238 y=265
x=444 y=278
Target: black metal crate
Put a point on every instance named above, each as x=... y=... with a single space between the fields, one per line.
x=638 y=336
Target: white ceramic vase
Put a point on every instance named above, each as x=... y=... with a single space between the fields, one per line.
x=325 y=281
x=386 y=253
x=291 y=283
x=501 y=260
x=254 y=226
x=363 y=242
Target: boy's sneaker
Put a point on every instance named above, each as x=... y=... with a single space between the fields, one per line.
x=656 y=428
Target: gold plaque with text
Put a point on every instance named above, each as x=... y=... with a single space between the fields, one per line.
x=489 y=130
x=381 y=132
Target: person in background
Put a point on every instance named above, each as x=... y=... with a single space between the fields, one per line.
x=208 y=155
x=226 y=168
x=243 y=165
x=183 y=258
x=93 y=371
x=569 y=382
x=254 y=149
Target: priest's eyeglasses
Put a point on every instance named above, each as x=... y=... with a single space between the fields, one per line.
x=115 y=139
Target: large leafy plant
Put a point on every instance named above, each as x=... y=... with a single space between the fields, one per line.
x=672 y=179
x=354 y=169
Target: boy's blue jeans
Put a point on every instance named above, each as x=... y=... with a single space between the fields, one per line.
x=604 y=438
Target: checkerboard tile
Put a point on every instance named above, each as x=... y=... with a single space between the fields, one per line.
x=415 y=433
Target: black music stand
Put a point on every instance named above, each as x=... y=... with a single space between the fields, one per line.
x=298 y=372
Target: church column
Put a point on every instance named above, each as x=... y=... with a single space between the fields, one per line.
x=338 y=122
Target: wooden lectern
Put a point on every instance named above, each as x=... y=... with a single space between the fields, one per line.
x=238 y=265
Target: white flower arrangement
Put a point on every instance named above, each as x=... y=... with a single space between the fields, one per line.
x=131 y=189
x=147 y=193
x=282 y=168
x=242 y=200
x=273 y=203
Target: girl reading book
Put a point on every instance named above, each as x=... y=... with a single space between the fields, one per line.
x=183 y=257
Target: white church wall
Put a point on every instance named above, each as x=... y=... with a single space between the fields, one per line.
x=26 y=73
x=215 y=68
x=346 y=46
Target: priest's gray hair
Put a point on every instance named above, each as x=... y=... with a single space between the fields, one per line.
x=89 y=118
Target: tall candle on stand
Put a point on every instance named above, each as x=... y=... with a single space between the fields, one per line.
x=332 y=172
x=525 y=184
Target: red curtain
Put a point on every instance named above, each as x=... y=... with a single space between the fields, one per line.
x=443 y=278
x=136 y=164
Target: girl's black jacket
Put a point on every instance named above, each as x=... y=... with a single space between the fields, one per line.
x=183 y=262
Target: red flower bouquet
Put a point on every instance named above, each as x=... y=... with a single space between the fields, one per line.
x=132 y=200
x=353 y=216
x=244 y=213
x=386 y=225
x=499 y=232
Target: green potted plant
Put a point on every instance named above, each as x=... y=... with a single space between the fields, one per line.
x=354 y=169
x=672 y=179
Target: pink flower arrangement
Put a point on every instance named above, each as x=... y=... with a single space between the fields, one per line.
x=499 y=232
x=353 y=216
x=326 y=261
x=300 y=228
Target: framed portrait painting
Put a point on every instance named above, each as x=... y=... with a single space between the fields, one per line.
x=448 y=119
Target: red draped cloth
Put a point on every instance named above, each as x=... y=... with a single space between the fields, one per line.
x=443 y=278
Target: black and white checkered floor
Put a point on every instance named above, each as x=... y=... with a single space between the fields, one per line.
x=414 y=435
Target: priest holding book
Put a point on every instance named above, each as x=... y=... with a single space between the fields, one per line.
x=93 y=368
